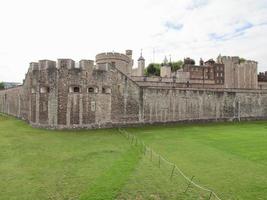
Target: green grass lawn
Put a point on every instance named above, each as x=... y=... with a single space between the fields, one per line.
x=229 y=158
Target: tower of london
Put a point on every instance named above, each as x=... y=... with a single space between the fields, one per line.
x=109 y=92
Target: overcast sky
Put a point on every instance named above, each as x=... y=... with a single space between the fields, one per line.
x=79 y=29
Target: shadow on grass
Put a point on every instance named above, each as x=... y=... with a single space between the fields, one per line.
x=110 y=183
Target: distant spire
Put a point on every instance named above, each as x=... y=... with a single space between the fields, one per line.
x=201 y=62
x=165 y=61
x=141 y=56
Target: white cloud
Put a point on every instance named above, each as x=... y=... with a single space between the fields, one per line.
x=39 y=29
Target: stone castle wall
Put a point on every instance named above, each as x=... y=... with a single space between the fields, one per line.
x=63 y=94
x=262 y=85
x=171 y=105
x=48 y=99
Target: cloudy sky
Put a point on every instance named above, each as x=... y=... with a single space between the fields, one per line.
x=79 y=29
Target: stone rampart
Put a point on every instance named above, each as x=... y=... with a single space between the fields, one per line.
x=61 y=96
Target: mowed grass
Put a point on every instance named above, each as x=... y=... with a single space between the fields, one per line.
x=41 y=164
x=229 y=158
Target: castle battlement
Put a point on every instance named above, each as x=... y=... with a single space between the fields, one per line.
x=110 y=55
x=233 y=59
x=34 y=66
x=61 y=63
x=46 y=64
x=248 y=64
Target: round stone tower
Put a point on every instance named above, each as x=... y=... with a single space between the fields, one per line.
x=122 y=62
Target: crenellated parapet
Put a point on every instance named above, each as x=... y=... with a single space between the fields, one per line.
x=46 y=64
x=103 y=57
x=34 y=66
x=123 y=62
x=86 y=64
x=233 y=59
x=65 y=64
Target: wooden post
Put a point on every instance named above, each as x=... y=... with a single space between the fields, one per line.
x=189 y=184
x=132 y=140
x=172 y=171
x=159 y=161
x=144 y=150
x=210 y=195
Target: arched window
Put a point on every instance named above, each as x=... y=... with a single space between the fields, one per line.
x=74 y=89
x=103 y=90
x=91 y=90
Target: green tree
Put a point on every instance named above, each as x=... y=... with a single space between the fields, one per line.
x=2 y=86
x=153 y=69
x=242 y=60
x=176 y=65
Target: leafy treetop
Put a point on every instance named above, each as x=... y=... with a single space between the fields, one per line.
x=153 y=69
x=2 y=86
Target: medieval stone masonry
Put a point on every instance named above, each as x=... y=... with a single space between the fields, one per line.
x=110 y=93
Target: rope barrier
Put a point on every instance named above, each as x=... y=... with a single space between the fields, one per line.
x=146 y=149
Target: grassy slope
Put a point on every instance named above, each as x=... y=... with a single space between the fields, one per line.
x=40 y=164
x=110 y=183
x=229 y=158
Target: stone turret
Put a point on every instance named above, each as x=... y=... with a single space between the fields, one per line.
x=86 y=64
x=141 y=65
x=123 y=62
x=34 y=66
x=165 y=70
x=239 y=73
x=47 y=64
x=129 y=53
x=66 y=63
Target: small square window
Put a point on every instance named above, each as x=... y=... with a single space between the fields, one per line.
x=44 y=90
x=76 y=89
